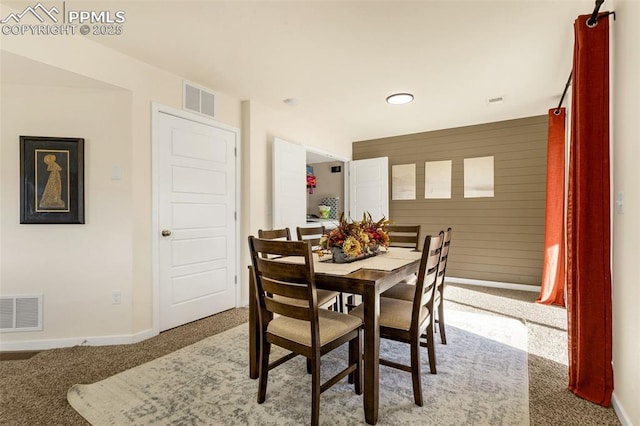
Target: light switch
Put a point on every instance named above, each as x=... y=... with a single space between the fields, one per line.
x=116 y=173
x=620 y=203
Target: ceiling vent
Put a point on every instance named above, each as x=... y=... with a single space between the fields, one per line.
x=21 y=313
x=198 y=99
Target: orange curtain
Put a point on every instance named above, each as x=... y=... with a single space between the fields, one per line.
x=553 y=271
x=588 y=218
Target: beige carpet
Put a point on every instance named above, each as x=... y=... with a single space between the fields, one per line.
x=482 y=379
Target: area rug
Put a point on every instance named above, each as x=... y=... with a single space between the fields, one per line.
x=482 y=379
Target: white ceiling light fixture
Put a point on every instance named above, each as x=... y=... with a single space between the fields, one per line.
x=291 y=101
x=400 y=98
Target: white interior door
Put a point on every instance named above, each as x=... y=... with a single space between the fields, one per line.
x=196 y=208
x=289 y=185
x=369 y=188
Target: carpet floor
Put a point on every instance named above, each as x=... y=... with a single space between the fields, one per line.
x=34 y=391
x=481 y=380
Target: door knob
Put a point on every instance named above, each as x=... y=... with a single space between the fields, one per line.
x=166 y=232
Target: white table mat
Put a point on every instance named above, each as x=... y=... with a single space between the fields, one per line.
x=382 y=262
x=392 y=259
x=403 y=253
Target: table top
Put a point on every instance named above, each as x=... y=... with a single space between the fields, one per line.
x=379 y=272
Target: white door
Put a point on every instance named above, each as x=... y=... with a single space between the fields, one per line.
x=196 y=208
x=369 y=188
x=289 y=185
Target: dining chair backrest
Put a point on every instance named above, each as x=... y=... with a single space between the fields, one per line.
x=404 y=235
x=292 y=279
x=311 y=234
x=427 y=277
x=275 y=234
x=283 y=234
x=439 y=294
x=444 y=256
x=324 y=296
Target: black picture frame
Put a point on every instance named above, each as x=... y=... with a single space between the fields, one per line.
x=51 y=180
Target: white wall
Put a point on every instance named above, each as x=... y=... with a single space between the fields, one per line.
x=260 y=126
x=75 y=266
x=626 y=229
x=113 y=250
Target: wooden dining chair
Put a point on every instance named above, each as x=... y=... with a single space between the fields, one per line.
x=407 y=236
x=403 y=235
x=325 y=297
x=406 y=321
x=311 y=234
x=301 y=328
x=275 y=234
x=405 y=290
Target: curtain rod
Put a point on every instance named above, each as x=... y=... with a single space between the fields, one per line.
x=557 y=110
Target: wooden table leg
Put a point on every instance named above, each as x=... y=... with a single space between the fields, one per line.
x=254 y=329
x=371 y=300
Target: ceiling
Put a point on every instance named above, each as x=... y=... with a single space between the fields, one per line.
x=341 y=59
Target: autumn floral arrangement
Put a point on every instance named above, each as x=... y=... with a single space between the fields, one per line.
x=356 y=239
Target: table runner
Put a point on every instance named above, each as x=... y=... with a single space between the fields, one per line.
x=389 y=260
x=403 y=253
x=384 y=263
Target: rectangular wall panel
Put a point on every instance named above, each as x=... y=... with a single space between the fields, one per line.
x=190 y=216
x=192 y=145
x=198 y=250
x=188 y=287
x=198 y=181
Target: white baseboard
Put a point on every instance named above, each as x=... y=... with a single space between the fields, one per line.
x=620 y=411
x=40 y=345
x=494 y=284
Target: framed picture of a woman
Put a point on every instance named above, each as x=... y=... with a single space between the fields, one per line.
x=51 y=180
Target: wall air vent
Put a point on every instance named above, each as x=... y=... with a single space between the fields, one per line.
x=21 y=313
x=197 y=99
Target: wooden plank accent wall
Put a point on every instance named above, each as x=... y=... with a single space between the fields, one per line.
x=494 y=239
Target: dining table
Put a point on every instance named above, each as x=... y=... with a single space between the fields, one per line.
x=368 y=278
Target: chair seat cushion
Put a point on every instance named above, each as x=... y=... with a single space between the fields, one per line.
x=394 y=313
x=401 y=291
x=332 y=325
x=324 y=297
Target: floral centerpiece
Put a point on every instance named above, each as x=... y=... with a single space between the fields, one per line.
x=355 y=240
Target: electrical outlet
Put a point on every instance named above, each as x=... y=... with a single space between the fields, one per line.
x=116 y=297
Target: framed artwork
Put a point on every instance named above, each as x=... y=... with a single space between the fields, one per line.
x=403 y=182
x=437 y=179
x=478 y=177
x=51 y=180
